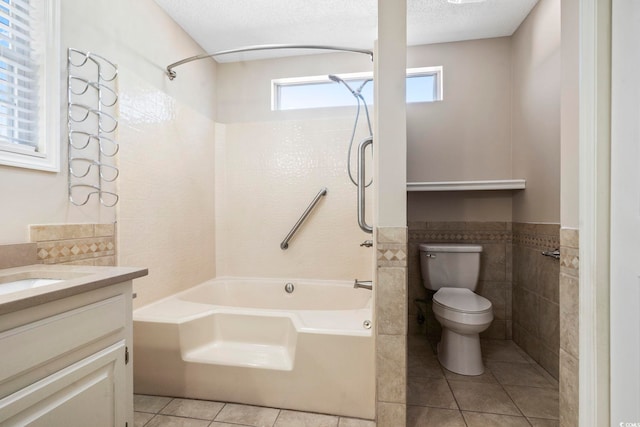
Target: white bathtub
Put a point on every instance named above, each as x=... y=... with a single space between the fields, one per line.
x=248 y=341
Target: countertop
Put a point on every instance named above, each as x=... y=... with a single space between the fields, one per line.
x=75 y=280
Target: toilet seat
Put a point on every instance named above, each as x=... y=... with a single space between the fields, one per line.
x=462 y=300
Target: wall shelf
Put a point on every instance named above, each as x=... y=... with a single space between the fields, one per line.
x=501 y=184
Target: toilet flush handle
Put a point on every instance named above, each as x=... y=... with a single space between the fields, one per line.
x=428 y=255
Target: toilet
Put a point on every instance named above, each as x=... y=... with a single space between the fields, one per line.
x=452 y=271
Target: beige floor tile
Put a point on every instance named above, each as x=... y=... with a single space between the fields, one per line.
x=501 y=350
x=430 y=392
x=305 y=419
x=518 y=374
x=535 y=402
x=141 y=418
x=219 y=424
x=539 y=422
x=201 y=409
x=424 y=366
x=151 y=404
x=254 y=416
x=355 y=422
x=168 y=421
x=421 y=416
x=479 y=419
x=480 y=397
x=486 y=377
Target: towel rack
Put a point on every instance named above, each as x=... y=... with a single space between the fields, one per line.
x=92 y=122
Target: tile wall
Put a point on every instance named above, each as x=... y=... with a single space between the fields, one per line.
x=536 y=290
x=495 y=270
x=569 y=294
x=77 y=244
x=391 y=326
x=18 y=255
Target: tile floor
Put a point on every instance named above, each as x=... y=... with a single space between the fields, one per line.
x=158 y=411
x=514 y=391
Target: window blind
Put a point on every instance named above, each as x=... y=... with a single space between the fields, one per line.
x=18 y=76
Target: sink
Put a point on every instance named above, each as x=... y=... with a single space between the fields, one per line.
x=23 y=284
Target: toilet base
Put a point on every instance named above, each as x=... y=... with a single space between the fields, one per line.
x=460 y=353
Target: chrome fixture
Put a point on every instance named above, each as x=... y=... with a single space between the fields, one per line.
x=367 y=243
x=289 y=287
x=364 y=284
x=361 y=186
x=285 y=243
x=172 y=74
x=359 y=98
x=553 y=254
x=366 y=324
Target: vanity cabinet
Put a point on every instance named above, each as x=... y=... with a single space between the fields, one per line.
x=66 y=362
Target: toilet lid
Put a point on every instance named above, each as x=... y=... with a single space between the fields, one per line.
x=461 y=299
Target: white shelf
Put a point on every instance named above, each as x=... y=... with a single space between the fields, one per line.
x=501 y=184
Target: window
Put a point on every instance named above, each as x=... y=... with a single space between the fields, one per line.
x=423 y=85
x=29 y=84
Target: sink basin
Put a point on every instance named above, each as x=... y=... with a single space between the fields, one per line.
x=20 y=285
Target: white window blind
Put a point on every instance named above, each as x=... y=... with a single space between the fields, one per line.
x=19 y=78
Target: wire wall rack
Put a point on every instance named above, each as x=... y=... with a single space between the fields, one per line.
x=92 y=89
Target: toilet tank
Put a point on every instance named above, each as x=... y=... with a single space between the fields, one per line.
x=449 y=265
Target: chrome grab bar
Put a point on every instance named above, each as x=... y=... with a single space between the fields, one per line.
x=361 y=184
x=285 y=243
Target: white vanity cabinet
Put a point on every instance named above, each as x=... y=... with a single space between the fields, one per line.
x=66 y=362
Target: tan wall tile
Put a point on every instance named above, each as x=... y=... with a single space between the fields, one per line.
x=569 y=312
x=392 y=235
x=570 y=238
x=391 y=364
x=391 y=313
x=569 y=401
x=18 y=255
x=104 y=230
x=41 y=233
x=391 y=414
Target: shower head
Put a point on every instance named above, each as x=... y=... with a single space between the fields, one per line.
x=339 y=80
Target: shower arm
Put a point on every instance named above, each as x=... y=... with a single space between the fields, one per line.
x=172 y=74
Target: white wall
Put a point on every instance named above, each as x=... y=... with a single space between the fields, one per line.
x=536 y=114
x=467 y=135
x=269 y=166
x=165 y=214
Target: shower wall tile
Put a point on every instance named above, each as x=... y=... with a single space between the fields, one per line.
x=18 y=255
x=536 y=293
x=495 y=270
x=569 y=327
x=77 y=244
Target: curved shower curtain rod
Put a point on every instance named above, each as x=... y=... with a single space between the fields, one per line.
x=172 y=74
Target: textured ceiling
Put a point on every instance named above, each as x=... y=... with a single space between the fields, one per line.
x=227 y=24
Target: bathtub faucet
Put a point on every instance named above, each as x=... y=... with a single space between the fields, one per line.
x=365 y=284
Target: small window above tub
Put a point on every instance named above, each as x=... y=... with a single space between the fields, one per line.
x=29 y=84
x=296 y=93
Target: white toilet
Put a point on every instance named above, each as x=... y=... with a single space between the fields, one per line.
x=452 y=270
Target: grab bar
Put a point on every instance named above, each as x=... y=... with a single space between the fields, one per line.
x=285 y=243
x=553 y=254
x=361 y=185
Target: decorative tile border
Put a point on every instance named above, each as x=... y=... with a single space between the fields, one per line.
x=538 y=236
x=391 y=255
x=84 y=244
x=450 y=236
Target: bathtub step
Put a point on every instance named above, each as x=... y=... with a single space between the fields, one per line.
x=243 y=354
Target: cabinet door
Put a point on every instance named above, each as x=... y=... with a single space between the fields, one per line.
x=90 y=392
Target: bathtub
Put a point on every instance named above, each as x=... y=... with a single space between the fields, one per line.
x=249 y=341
